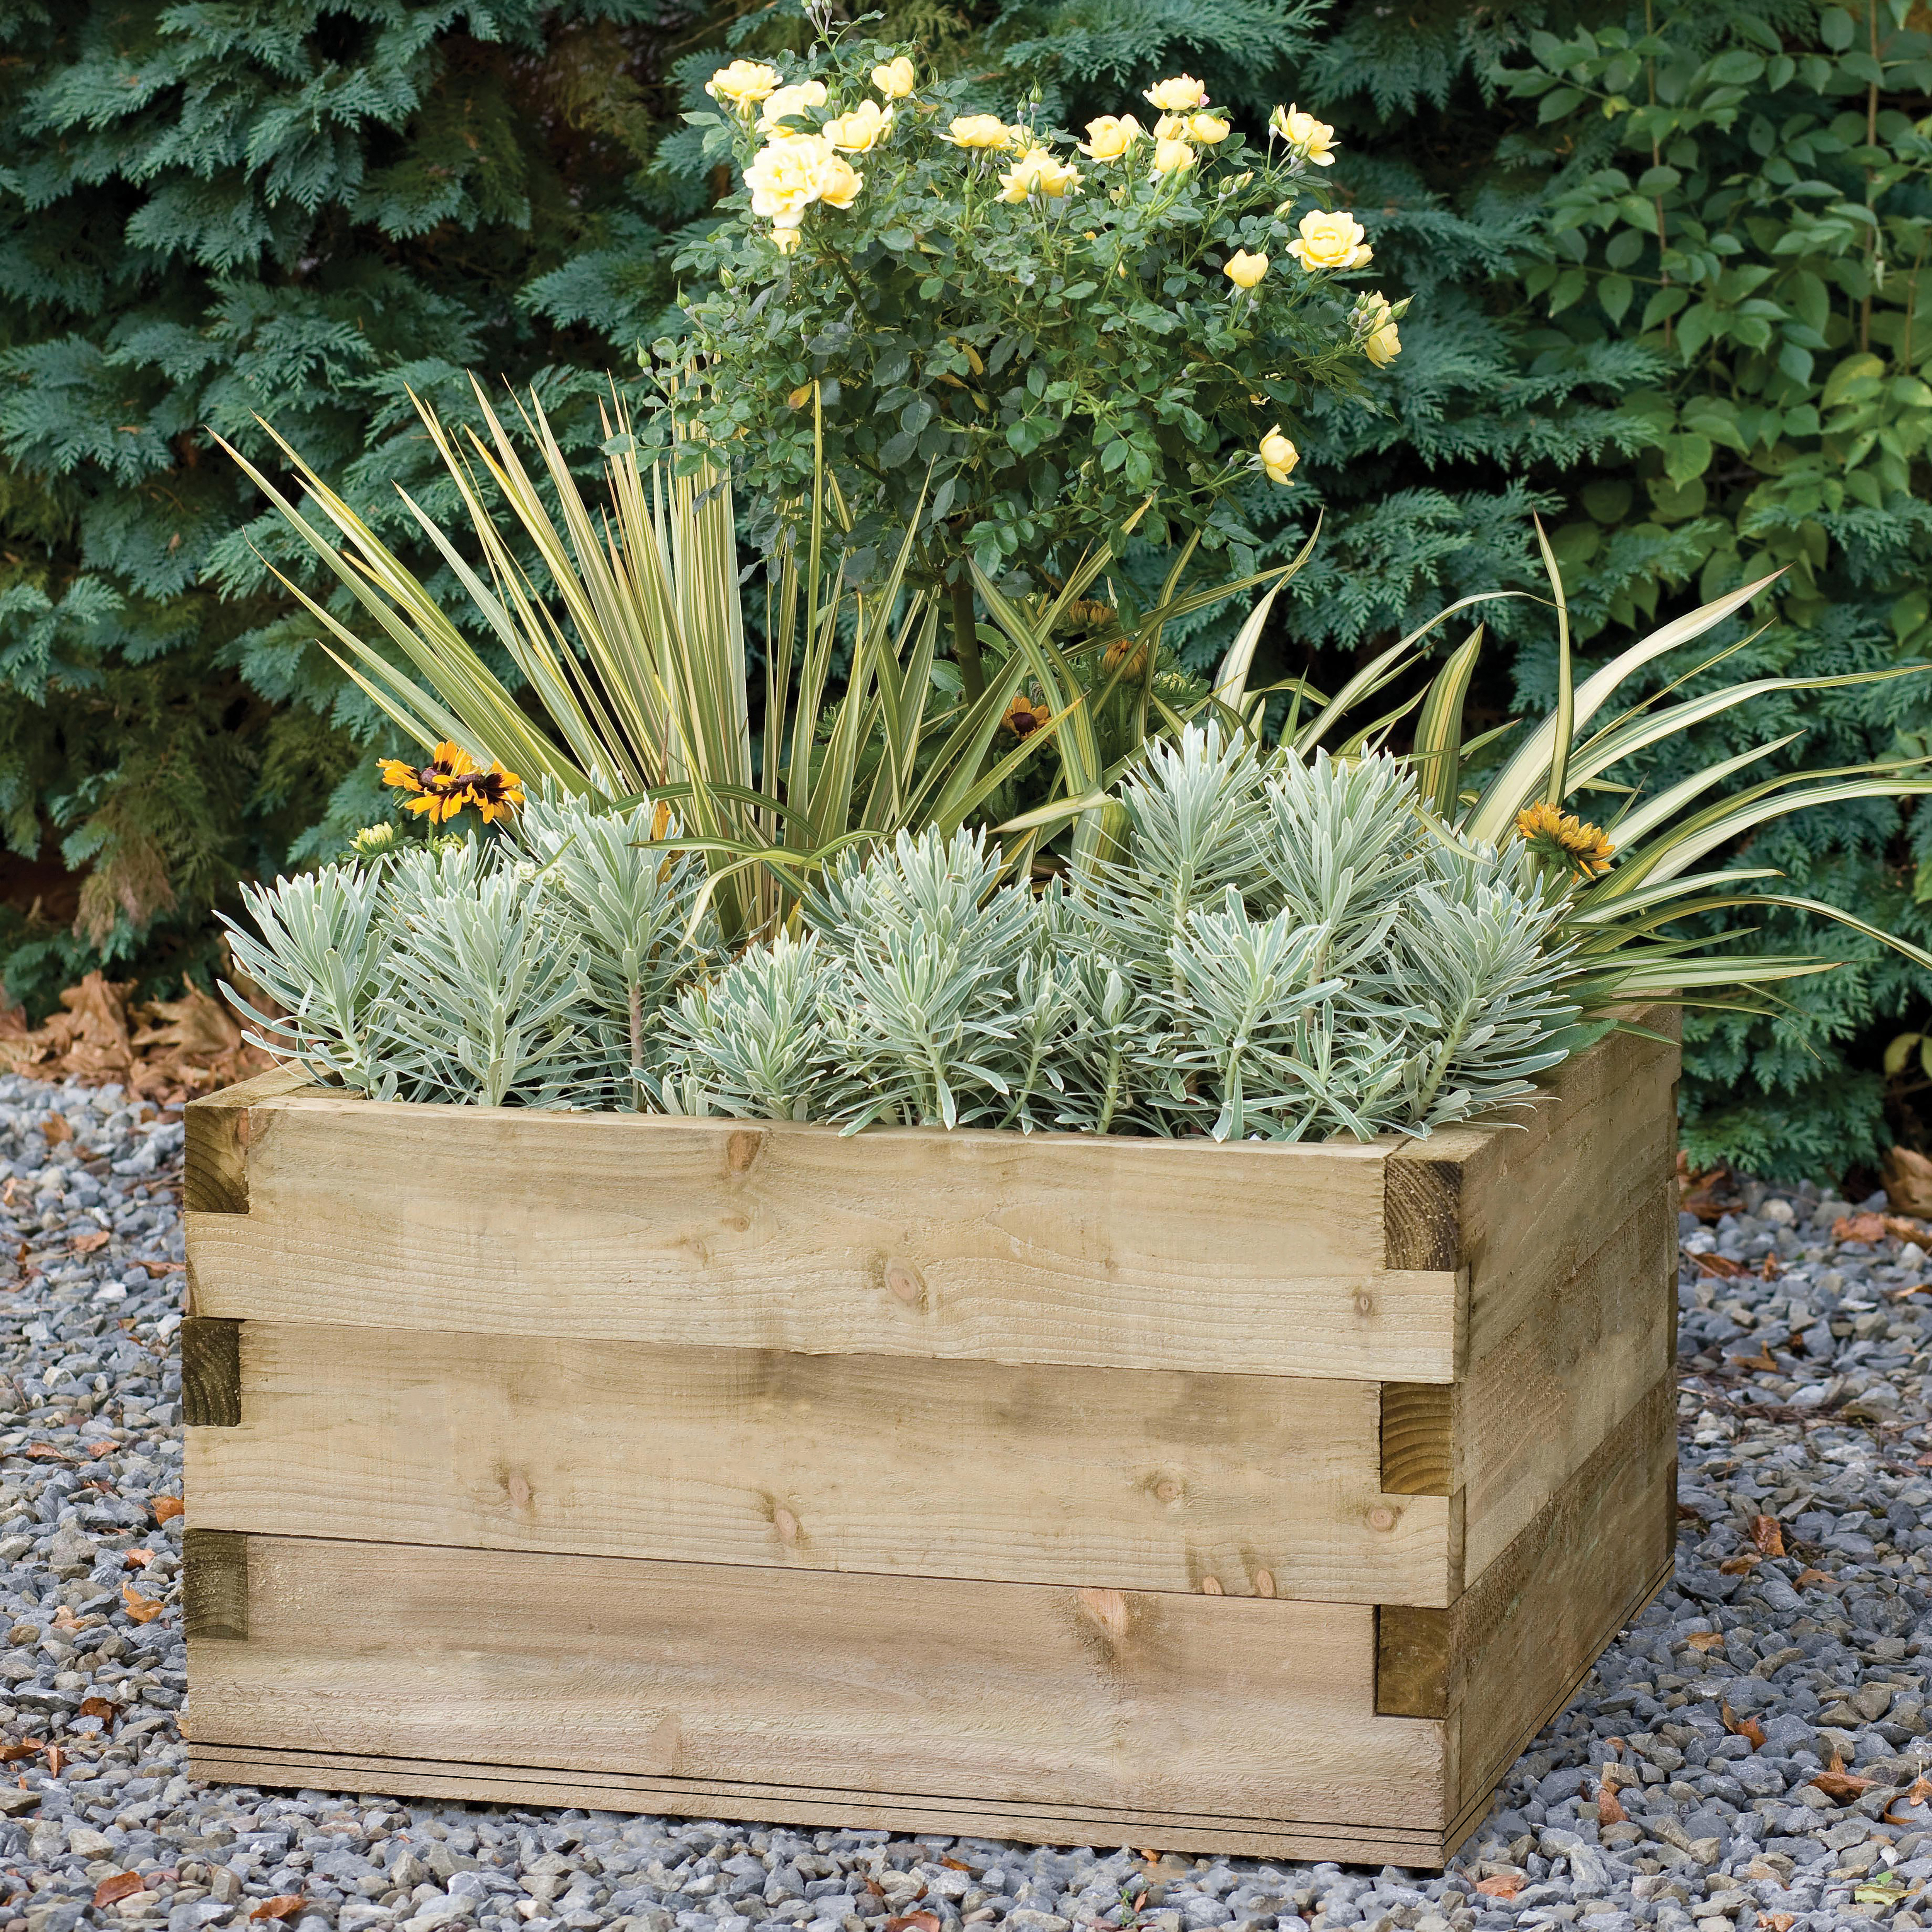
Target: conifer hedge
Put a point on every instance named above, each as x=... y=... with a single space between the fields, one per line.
x=1666 y=260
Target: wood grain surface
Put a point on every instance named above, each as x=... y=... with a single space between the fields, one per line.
x=1250 y=1485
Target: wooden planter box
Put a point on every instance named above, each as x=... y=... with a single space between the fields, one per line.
x=1243 y=1498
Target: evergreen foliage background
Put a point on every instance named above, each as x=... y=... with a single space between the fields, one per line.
x=209 y=211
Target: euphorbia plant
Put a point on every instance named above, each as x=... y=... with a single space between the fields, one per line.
x=1023 y=346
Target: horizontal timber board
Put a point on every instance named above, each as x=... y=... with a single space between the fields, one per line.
x=1237 y=1708
x=523 y=1787
x=1122 y=1253
x=1538 y=1403
x=1150 y=1480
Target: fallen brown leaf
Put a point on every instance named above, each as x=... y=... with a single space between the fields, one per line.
x=1720 y=1265
x=99 y=1707
x=1919 y=1792
x=1762 y=1363
x=1767 y=1535
x=143 y=1609
x=27 y=1747
x=1609 y=1811
x=284 y=1905
x=1780 y=1921
x=1805 y=1578
x=120 y=1884
x=64 y=1618
x=1705 y=1639
x=138 y=1559
x=89 y=1244
x=1858 y=1228
x=1740 y=1566
x=953 y=1864
x=46 y=1452
x=166 y=1508
x=56 y=1760
x=1751 y=1730
x=1772 y=1269
x=914 y=1922
x=1504 y=1885
x=1840 y=1785
x=55 y=1127
x=157 y=1269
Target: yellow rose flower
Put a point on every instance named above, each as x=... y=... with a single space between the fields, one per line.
x=787 y=104
x=1038 y=171
x=1315 y=139
x=895 y=79
x=1278 y=455
x=1245 y=270
x=786 y=240
x=1380 y=342
x=860 y=131
x=1171 y=127
x=744 y=83
x=839 y=182
x=979 y=130
x=1110 y=136
x=1207 y=129
x=1172 y=157
x=784 y=177
x=1181 y=95
x=1328 y=241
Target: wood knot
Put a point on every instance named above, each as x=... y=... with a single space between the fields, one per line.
x=1382 y=1517
x=1365 y=1302
x=1263 y=1583
x=517 y=1487
x=1167 y=1490
x=1107 y=1608
x=786 y=1524
x=1211 y=1586
x=742 y=1149
x=907 y=1284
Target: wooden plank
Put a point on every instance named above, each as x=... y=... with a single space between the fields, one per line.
x=1230 y=1707
x=215 y=1140
x=1536 y=1200
x=1423 y=1208
x=1246 y=1258
x=1248 y=1485
x=215 y=1584
x=211 y=1353
x=1417 y=1442
x=524 y=1785
x=1413 y=1664
x=1585 y=1350
x=1528 y=1629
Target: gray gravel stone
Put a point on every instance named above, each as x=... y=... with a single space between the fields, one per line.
x=1718 y=1830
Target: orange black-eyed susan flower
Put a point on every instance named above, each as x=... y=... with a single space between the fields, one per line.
x=1127 y=655
x=1566 y=840
x=451 y=781
x=1023 y=718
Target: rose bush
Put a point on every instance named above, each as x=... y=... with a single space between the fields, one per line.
x=1017 y=344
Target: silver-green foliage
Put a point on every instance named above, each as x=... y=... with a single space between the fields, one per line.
x=531 y=972
x=1290 y=951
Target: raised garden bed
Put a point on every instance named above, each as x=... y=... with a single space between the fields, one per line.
x=1237 y=1498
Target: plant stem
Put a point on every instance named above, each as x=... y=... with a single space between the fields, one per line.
x=966 y=638
x=637 y=1003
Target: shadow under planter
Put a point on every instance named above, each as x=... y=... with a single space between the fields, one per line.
x=1246 y=1499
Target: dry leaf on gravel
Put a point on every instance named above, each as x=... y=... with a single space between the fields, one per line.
x=1749 y=1729
x=1867 y=1228
x=166 y=1508
x=143 y=1609
x=91 y=1244
x=1768 y=1535
x=1919 y=1792
x=1806 y=1578
x=1504 y=1885
x=1705 y=1640
x=1740 y=1566
x=161 y=1050
x=119 y=1885
x=57 y=1129
x=1720 y=1265
x=284 y=1905
x=99 y=1707
x=914 y=1921
x=1840 y=1785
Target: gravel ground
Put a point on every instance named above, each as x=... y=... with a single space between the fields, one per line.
x=1692 y=1780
